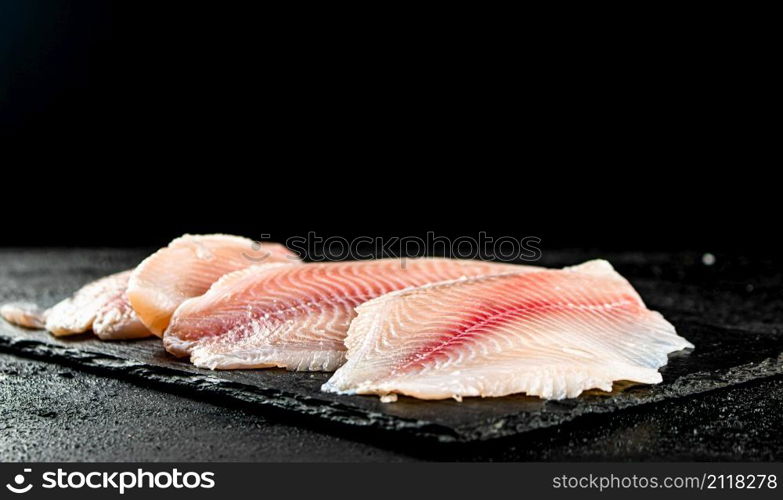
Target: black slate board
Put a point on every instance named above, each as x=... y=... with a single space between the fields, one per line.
x=731 y=311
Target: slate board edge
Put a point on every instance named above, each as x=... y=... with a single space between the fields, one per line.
x=182 y=382
x=321 y=411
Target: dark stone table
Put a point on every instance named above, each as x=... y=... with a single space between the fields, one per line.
x=50 y=411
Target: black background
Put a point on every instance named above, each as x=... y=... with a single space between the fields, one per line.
x=126 y=123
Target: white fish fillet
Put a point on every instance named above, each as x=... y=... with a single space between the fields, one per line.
x=296 y=316
x=187 y=267
x=24 y=314
x=100 y=306
x=553 y=334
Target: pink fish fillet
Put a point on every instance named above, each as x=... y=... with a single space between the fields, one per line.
x=296 y=317
x=552 y=334
x=187 y=267
x=100 y=306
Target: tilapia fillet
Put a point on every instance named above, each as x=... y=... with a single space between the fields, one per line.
x=296 y=316
x=553 y=334
x=101 y=306
x=24 y=314
x=187 y=267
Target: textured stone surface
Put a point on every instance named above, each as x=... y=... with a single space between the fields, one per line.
x=731 y=310
x=54 y=413
x=51 y=412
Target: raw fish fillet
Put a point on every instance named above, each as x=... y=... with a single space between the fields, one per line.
x=24 y=314
x=552 y=334
x=296 y=317
x=100 y=306
x=187 y=267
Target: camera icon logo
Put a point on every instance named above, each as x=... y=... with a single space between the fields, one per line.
x=19 y=480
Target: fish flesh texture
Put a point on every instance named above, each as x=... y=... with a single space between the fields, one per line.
x=100 y=306
x=296 y=317
x=187 y=267
x=24 y=314
x=552 y=334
